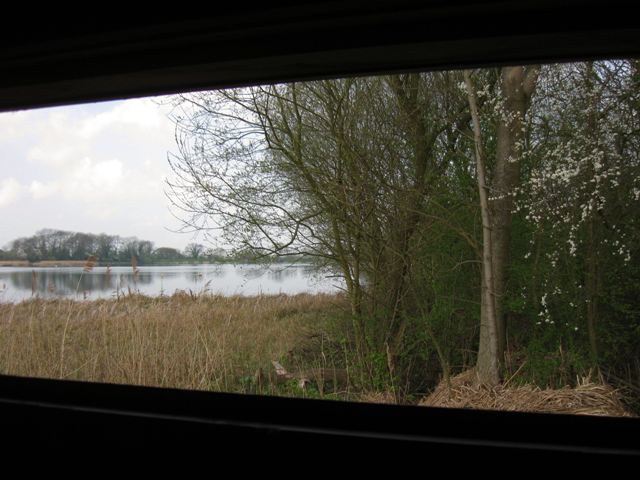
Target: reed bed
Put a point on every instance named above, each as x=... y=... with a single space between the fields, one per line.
x=43 y=263
x=586 y=398
x=15 y=263
x=217 y=343
x=182 y=341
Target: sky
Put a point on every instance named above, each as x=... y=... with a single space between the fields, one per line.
x=93 y=168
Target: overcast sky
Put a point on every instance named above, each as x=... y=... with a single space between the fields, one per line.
x=95 y=168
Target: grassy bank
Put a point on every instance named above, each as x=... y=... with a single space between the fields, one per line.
x=204 y=342
x=228 y=344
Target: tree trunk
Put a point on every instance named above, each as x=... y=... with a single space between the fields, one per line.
x=518 y=84
x=488 y=368
x=488 y=364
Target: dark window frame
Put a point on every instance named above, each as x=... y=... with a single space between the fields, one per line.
x=64 y=62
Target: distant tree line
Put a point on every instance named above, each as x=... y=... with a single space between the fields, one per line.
x=50 y=244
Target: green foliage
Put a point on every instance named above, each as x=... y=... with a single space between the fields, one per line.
x=376 y=178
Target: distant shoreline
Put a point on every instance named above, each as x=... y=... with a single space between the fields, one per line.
x=81 y=263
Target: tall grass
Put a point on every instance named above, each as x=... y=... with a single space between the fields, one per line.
x=202 y=342
x=184 y=341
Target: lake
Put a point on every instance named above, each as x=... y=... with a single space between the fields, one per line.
x=21 y=283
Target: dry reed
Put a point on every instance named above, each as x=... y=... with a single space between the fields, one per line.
x=59 y=263
x=218 y=343
x=89 y=263
x=205 y=342
x=587 y=398
x=14 y=263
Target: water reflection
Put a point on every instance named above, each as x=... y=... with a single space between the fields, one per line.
x=67 y=281
x=280 y=275
x=20 y=283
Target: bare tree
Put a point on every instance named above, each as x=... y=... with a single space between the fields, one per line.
x=194 y=250
x=338 y=170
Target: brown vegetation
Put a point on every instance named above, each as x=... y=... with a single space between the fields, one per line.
x=183 y=341
x=43 y=263
x=587 y=398
x=235 y=344
x=59 y=263
x=14 y=263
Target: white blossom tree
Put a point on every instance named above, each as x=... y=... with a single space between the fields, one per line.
x=583 y=190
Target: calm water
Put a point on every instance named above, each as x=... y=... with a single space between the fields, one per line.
x=19 y=283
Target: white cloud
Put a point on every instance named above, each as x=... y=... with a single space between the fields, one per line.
x=88 y=181
x=91 y=180
x=139 y=113
x=12 y=125
x=57 y=156
x=94 y=168
x=41 y=190
x=66 y=137
x=10 y=190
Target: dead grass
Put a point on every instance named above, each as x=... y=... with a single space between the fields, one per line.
x=43 y=263
x=378 y=397
x=60 y=263
x=14 y=263
x=204 y=342
x=227 y=344
x=587 y=398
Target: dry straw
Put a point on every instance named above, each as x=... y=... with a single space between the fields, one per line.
x=89 y=263
x=587 y=398
x=34 y=282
